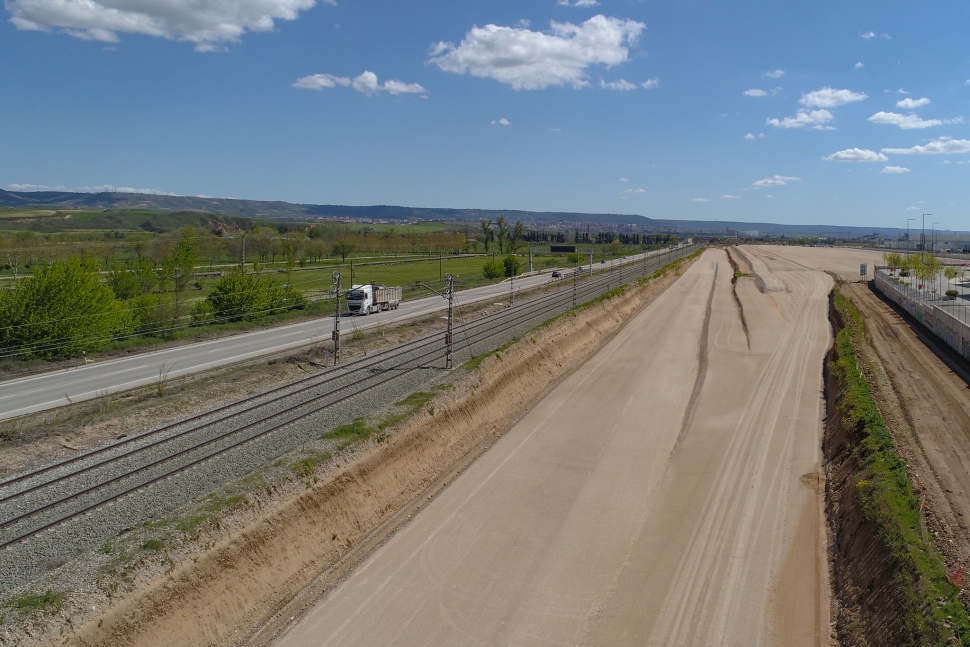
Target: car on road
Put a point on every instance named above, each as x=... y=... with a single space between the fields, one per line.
x=556 y=274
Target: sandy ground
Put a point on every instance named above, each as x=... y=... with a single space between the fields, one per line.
x=667 y=493
x=840 y=260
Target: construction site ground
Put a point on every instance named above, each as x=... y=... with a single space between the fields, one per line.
x=660 y=488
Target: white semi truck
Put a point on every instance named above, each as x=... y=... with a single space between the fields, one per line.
x=371 y=297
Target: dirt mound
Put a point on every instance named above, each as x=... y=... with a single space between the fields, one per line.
x=227 y=594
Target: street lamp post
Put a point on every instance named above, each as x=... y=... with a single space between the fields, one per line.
x=908 y=220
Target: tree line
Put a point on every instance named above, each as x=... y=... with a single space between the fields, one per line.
x=285 y=243
x=70 y=307
x=925 y=268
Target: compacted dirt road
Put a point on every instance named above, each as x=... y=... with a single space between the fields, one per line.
x=666 y=493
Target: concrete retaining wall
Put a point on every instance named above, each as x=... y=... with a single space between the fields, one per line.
x=954 y=332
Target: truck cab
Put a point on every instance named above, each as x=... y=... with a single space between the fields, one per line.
x=360 y=299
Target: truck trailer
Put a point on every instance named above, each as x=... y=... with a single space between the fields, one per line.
x=371 y=297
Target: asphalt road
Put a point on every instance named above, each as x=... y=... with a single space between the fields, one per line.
x=666 y=493
x=50 y=390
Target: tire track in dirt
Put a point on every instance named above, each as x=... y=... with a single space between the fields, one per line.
x=702 y=354
x=731 y=517
x=737 y=300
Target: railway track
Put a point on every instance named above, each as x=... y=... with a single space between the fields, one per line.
x=107 y=489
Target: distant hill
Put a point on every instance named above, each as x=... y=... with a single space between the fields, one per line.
x=220 y=212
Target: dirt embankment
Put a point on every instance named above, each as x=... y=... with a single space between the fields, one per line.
x=889 y=582
x=250 y=585
x=867 y=611
x=923 y=391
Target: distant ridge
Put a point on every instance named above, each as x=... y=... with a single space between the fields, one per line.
x=287 y=210
x=228 y=207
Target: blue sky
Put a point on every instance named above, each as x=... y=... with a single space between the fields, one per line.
x=828 y=112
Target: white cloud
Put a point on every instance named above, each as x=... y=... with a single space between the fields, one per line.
x=912 y=104
x=393 y=86
x=775 y=180
x=859 y=65
x=909 y=122
x=700 y=200
x=501 y=122
x=578 y=3
x=830 y=98
x=869 y=35
x=531 y=60
x=629 y=193
x=752 y=136
x=856 y=155
x=100 y=188
x=366 y=83
x=651 y=84
x=728 y=196
x=940 y=146
x=320 y=81
x=755 y=92
x=774 y=74
x=623 y=180
x=107 y=188
x=622 y=85
x=814 y=119
x=894 y=169
x=35 y=187
x=207 y=23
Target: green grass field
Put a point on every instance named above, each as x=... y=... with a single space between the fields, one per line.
x=403 y=228
x=409 y=273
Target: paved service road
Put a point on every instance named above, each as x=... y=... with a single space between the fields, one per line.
x=55 y=389
x=664 y=494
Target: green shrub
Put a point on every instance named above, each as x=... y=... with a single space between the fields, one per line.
x=203 y=313
x=61 y=311
x=492 y=270
x=512 y=266
x=246 y=296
